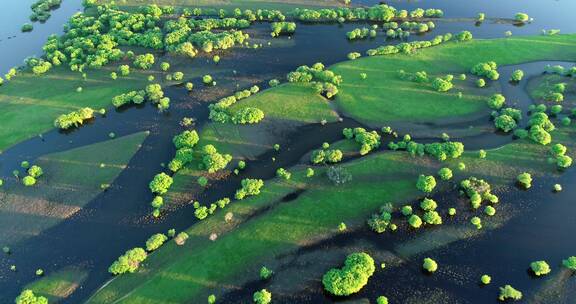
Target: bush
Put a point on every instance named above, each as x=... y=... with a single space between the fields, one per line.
x=27 y=27
x=477 y=222
x=180 y=238
x=155 y=241
x=570 y=263
x=525 y=179
x=358 y=268
x=157 y=202
x=382 y=300
x=540 y=268
x=490 y=211
x=338 y=175
x=161 y=183
x=430 y=265
x=426 y=183
x=521 y=17
x=485 y=279
x=283 y=173
x=265 y=273
x=262 y=297
x=509 y=293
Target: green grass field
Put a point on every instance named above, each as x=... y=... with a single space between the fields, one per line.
x=201 y=267
x=384 y=97
x=71 y=179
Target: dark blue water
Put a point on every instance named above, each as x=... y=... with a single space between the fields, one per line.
x=75 y=242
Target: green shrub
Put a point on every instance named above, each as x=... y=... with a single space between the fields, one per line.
x=358 y=268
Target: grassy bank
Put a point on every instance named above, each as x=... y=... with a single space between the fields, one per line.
x=383 y=97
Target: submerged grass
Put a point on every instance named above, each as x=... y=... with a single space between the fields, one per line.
x=71 y=179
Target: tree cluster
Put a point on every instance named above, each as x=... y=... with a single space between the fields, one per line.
x=326 y=82
x=128 y=262
x=280 y=28
x=250 y=187
x=73 y=119
x=486 y=69
x=358 y=268
x=368 y=140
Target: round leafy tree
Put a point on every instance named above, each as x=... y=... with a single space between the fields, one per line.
x=426 y=183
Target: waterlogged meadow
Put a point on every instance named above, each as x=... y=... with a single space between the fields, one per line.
x=288 y=152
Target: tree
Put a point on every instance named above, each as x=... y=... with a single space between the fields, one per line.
x=407 y=210
x=505 y=123
x=441 y=85
x=28 y=181
x=35 y=171
x=496 y=101
x=186 y=139
x=540 y=268
x=144 y=61
x=508 y=292
x=517 y=75
x=382 y=300
x=262 y=297
x=207 y=80
x=358 y=268
x=161 y=183
x=525 y=179
x=428 y=204
x=445 y=174
x=485 y=279
x=415 y=221
x=539 y=135
x=426 y=183
x=430 y=265
x=564 y=161
x=155 y=241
